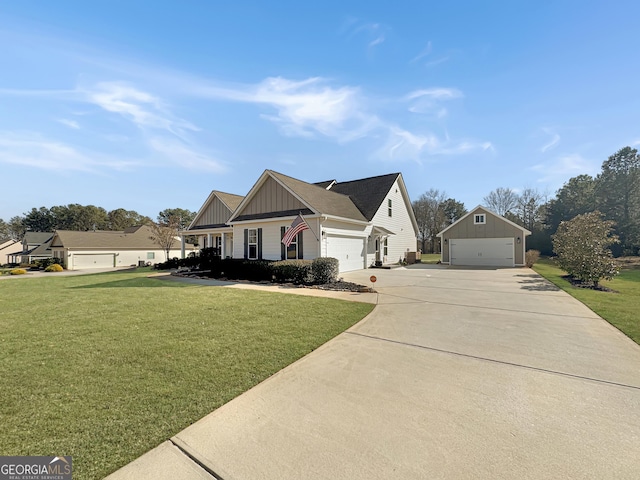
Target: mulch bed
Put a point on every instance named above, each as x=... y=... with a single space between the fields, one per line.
x=339 y=286
x=580 y=284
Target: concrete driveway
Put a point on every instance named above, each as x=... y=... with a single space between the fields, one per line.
x=457 y=374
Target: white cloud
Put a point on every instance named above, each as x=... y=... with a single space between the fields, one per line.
x=404 y=145
x=565 y=166
x=69 y=123
x=374 y=32
x=552 y=143
x=635 y=142
x=33 y=150
x=142 y=108
x=425 y=51
x=427 y=101
x=377 y=41
x=184 y=155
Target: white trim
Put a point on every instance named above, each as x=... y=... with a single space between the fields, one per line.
x=479 y=218
x=486 y=210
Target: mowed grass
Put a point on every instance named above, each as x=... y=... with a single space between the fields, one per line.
x=621 y=309
x=430 y=258
x=105 y=367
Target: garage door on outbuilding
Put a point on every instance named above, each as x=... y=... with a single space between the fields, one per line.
x=498 y=252
x=93 y=260
x=483 y=238
x=350 y=251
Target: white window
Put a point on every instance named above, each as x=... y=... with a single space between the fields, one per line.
x=479 y=219
x=252 y=243
x=151 y=255
x=385 y=247
x=389 y=207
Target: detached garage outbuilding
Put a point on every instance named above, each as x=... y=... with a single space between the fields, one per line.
x=484 y=238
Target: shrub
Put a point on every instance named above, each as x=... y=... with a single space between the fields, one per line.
x=55 y=267
x=296 y=271
x=45 y=262
x=17 y=271
x=240 y=269
x=325 y=270
x=531 y=257
x=582 y=246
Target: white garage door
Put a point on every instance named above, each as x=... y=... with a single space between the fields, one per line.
x=348 y=250
x=496 y=252
x=98 y=260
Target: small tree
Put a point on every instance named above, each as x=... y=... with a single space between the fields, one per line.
x=582 y=246
x=164 y=234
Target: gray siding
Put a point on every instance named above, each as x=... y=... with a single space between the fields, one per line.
x=215 y=214
x=495 y=227
x=272 y=197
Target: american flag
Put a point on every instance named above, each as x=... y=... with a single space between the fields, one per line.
x=296 y=227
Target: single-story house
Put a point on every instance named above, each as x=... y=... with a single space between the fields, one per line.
x=483 y=238
x=359 y=222
x=35 y=246
x=8 y=248
x=210 y=223
x=109 y=249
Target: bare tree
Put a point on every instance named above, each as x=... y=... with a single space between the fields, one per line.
x=164 y=233
x=501 y=200
x=430 y=215
x=528 y=209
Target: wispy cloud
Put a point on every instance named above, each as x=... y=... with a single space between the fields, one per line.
x=429 y=100
x=140 y=107
x=552 y=143
x=182 y=154
x=404 y=145
x=425 y=51
x=635 y=142
x=69 y=123
x=33 y=150
x=374 y=32
x=565 y=166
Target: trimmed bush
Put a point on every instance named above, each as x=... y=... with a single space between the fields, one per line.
x=45 y=262
x=240 y=269
x=55 y=267
x=18 y=271
x=325 y=270
x=296 y=271
x=531 y=257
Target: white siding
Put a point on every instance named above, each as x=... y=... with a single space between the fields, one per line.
x=399 y=223
x=271 y=239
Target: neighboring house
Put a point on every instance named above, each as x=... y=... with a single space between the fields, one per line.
x=35 y=246
x=358 y=222
x=108 y=249
x=484 y=238
x=9 y=248
x=210 y=223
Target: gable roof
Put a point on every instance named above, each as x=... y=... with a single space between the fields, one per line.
x=367 y=193
x=36 y=238
x=316 y=198
x=230 y=200
x=129 y=239
x=490 y=212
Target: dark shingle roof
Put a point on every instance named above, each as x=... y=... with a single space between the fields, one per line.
x=367 y=193
x=324 y=201
x=140 y=238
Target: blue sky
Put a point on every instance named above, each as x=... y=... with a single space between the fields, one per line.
x=151 y=105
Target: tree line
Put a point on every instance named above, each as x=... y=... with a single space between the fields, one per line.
x=614 y=193
x=88 y=217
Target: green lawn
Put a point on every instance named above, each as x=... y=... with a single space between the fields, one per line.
x=620 y=309
x=105 y=367
x=430 y=258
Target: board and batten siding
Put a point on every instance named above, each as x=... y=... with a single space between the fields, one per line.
x=272 y=197
x=215 y=214
x=495 y=227
x=405 y=238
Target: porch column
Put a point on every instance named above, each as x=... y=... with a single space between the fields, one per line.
x=222 y=245
x=182 y=241
x=209 y=240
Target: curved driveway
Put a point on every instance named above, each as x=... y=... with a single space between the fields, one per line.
x=457 y=374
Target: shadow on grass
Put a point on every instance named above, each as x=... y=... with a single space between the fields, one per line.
x=133 y=283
